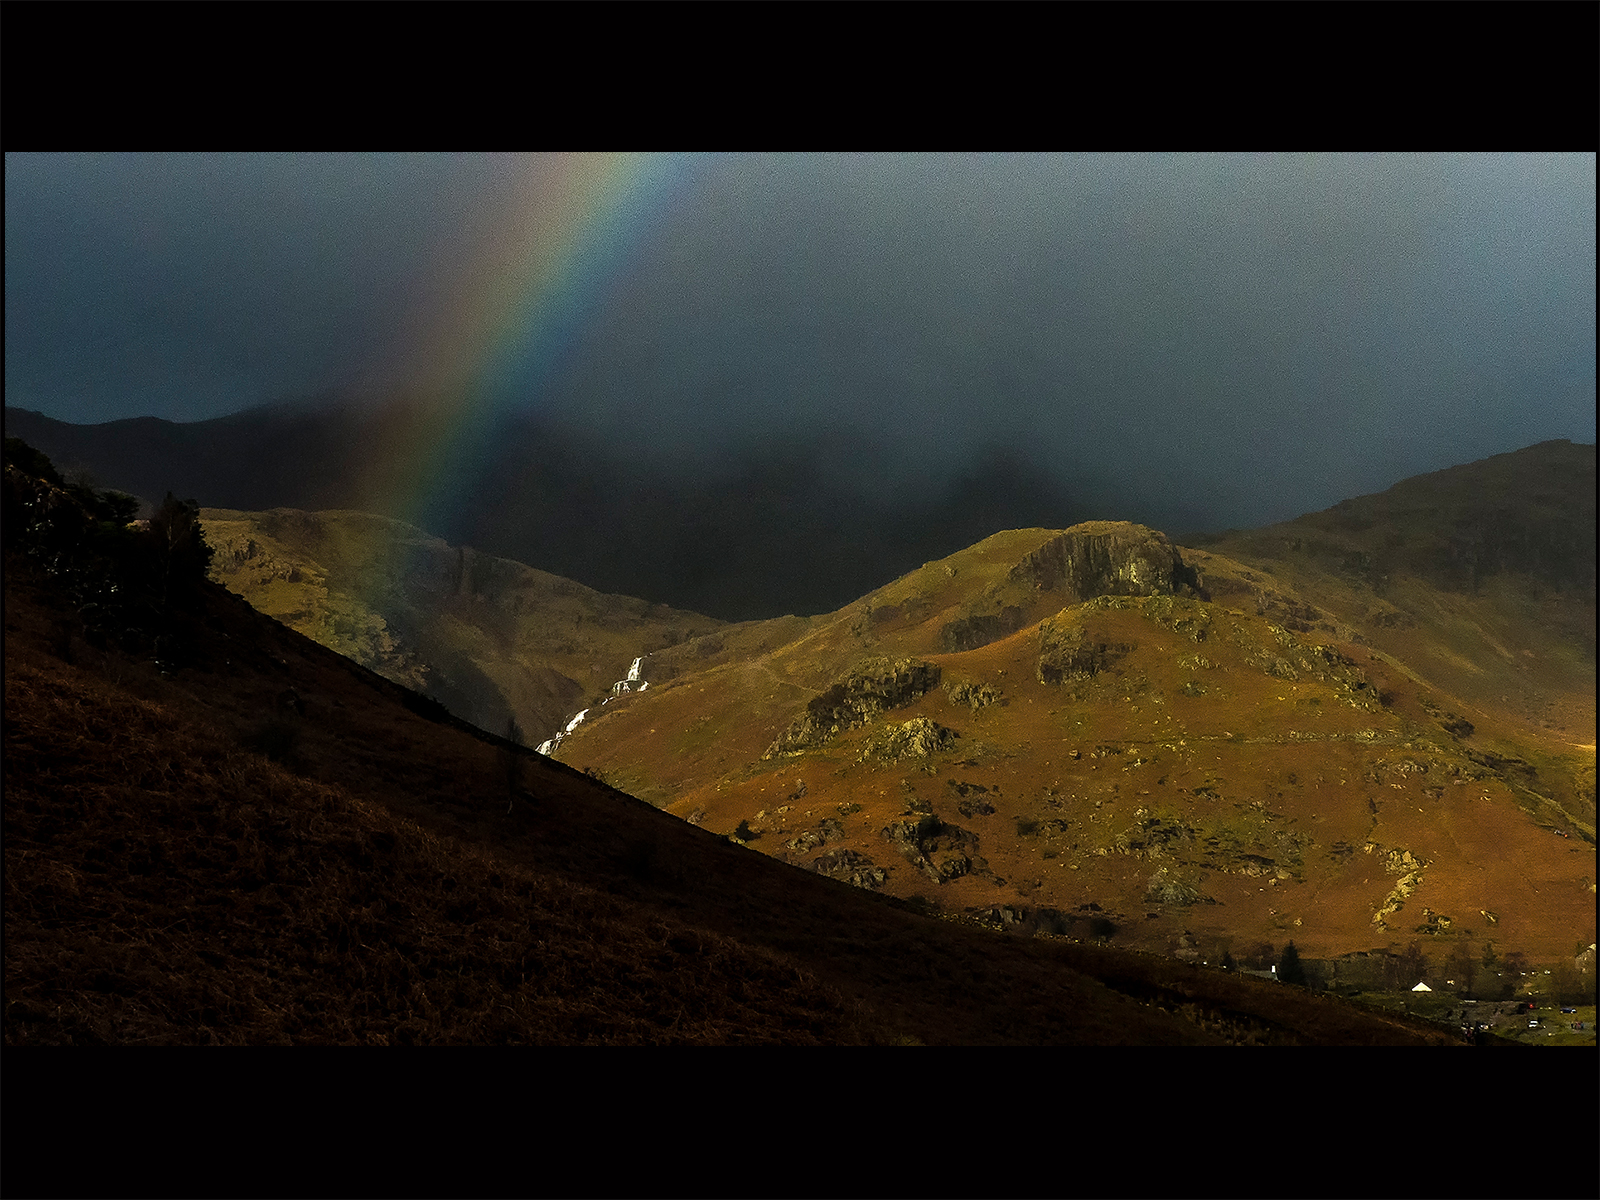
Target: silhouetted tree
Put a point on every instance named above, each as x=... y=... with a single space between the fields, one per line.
x=182 y=557
x=1227 y=961
x=1289 y=968
x=1464 y=967
x=1513 y=964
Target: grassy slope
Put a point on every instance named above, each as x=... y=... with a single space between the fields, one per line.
x=167 y=884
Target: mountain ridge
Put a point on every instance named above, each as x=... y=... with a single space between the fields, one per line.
x=982 y=614
x=795 y=524
x=197 y=853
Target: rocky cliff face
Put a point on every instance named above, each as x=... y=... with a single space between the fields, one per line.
x=1107 y=558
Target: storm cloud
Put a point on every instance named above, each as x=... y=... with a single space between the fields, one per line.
x=1190 y=341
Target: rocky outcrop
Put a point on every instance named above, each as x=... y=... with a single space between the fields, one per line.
x=1069 y=651
x=1402 y=891
x=852 y=867
x=873 y=687
x=1107 y=558
x=1452 y=723
x=973 y=695
x=939 y=850
x=968 y=633
x=829 y=831
x=917 y=738
x=1170 y=887
x=1292 y=660
x=1434 y=923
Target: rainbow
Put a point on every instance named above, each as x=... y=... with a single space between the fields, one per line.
x=499 y=319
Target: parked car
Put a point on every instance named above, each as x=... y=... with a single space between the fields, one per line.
x=1566 y=1009
x=1533 y=1024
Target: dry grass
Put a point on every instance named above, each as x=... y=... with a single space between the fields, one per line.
x=164 y=888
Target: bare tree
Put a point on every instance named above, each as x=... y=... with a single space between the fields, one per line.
x=511 y=763
x=1413 y=965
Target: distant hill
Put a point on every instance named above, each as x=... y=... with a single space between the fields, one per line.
x=1481 y=578
x=786 y=528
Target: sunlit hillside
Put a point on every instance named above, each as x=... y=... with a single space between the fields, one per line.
x=1203 y=763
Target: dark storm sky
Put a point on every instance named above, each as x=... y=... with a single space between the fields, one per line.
x=1191 y=341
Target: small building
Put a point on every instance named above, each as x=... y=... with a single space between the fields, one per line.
x=1422 y=987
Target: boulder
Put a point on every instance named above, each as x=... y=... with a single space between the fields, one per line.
x=974 y=798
